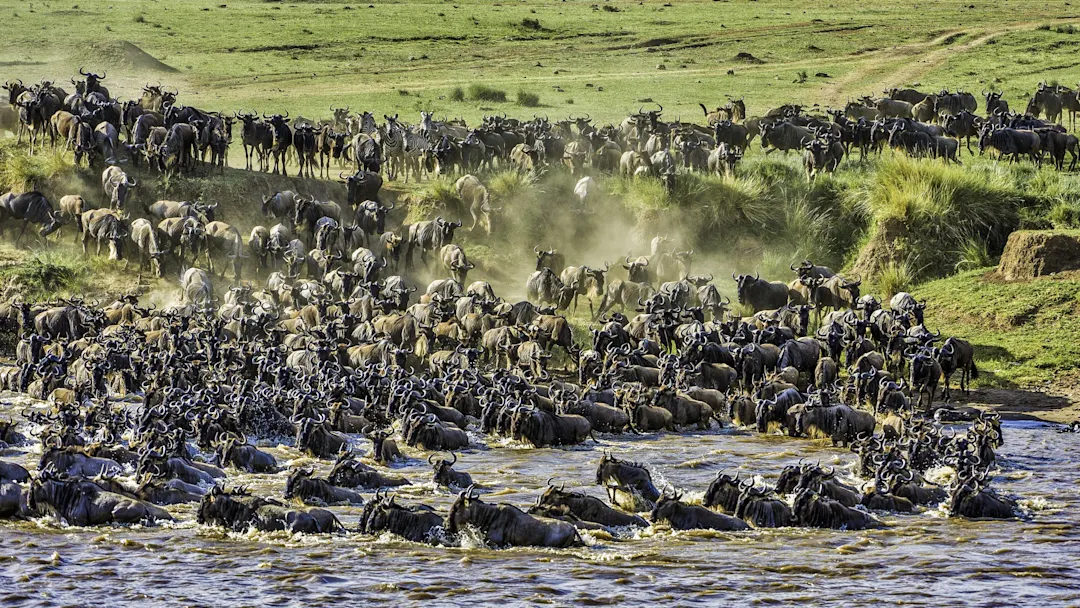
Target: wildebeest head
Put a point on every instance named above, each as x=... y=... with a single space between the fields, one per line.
x=723 y=492
x=542 y=255
x=666 y=507
x=464 y=510
x=225 y=508
x=636 y=270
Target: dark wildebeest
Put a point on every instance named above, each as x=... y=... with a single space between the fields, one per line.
x=957 y=355
x=282 y=140
x=239 y=511
x=507 y=525
x=760 y=294
x=418 y=523
x=31 y=208
x=315 y=491
x=557 y=502
x=629 y=484
x=444 y=474
x=817 y=511
x=682 y=516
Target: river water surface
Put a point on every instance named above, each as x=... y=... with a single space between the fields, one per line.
x=923 y=559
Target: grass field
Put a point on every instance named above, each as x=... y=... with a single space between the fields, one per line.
x=1025 y=333
x=602 y=58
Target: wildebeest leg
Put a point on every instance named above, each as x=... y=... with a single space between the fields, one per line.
x=26 y=376
x=23 y=231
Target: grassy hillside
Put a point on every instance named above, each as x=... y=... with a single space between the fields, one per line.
x=1024 y=333
x=603 y=58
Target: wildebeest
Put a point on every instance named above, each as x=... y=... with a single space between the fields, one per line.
x=682 y=516
x=117 y=186
x=150 y=250
x=429 y=235
x=104 y=225
x=237 y=510
x=507 y=525
x=444 y=474
x=417 y=523
x=760 y=294
x=315 y=491
x=544 y=287
x=196 y=288
x=83 y=503
x=234 y=450
x=454 y=261
x=557 y=501
x=32 y=208
x=349 y=472
x=817 y=511
x=957 y=355
x=629 y=484
x=474 y=196
x=973 y=501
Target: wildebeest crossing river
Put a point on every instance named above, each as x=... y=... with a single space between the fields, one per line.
x=917 y=559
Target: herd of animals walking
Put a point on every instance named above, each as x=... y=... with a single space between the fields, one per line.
x=143 y=407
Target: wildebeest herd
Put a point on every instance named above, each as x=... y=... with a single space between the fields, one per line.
x=147 y=407
x=162 y=133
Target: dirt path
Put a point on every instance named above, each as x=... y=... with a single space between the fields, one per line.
x=906 y=64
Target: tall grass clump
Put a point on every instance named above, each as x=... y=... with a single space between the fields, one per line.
x=483 y=92
x=438 y=197
x=45 y=274
x=974 y=253
x=528 y=100
x=893 y=278
x=21 y=172
x=939 y=208
x=457 y=94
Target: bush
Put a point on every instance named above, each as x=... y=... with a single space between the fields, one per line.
x=893 y=279
x=1064 y=216
x=482 y=92
x=531 y=24
x=456 y=94
x=974 y=253
x=44 y=275
x=529 y=100
x=938 y=208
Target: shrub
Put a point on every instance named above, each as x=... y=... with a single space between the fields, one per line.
x=482 y=92
x=974 y=253
x=529 y=100
x=893 y=279
x=457 y=94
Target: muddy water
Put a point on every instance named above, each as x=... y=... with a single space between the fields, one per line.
x=922 y=559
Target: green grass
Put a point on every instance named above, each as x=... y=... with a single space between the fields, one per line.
x=1024 y=333
x=262 y=53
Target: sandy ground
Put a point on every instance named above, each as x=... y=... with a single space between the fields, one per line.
x=1057 y=404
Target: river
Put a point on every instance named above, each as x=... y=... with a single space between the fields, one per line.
x=924 y=559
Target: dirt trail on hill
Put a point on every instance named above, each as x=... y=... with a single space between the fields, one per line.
x=900 y=65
